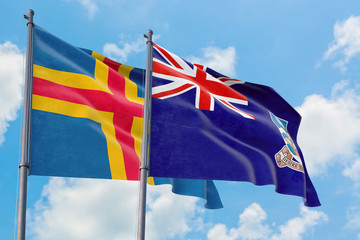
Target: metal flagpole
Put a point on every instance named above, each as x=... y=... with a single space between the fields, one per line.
x=24 y=164
x=145 y=138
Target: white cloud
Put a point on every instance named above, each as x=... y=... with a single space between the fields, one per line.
x=221 y=60
x=220 y=232
x=11 y=81
x=114 y=52
x=251 y=223
x=346 y=41
x=252 y=226
x=169 y=216
x=85 y=209
x=90 y=6
x=107 y=209
x=330 y=129
x=353 y=172
x=353 y=218
x=296 y=227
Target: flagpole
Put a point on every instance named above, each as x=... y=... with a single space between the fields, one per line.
x=24 y=164
x=145 y=138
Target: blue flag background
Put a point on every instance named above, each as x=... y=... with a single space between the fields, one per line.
x=187 y=142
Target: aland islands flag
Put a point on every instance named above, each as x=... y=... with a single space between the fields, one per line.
x=86 y=118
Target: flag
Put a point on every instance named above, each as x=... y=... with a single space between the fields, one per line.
x=86 y=118
x=207 y=126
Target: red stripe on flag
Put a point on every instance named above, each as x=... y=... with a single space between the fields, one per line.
x=168 y=56
x=173 y=91
x=160 y=68
x=114 y=65
x=236 y=109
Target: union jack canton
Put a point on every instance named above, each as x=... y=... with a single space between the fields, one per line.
x=185 y=76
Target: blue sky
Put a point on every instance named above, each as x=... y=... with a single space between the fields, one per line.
x=308 y=51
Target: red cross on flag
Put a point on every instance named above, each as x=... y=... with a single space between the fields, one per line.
x=184 y=76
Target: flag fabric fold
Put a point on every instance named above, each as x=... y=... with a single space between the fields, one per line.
x=87 y=118
x=207 y=126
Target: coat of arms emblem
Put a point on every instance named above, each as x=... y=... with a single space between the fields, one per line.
x=288 y=155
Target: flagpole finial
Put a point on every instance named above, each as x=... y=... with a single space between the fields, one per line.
x=149 y=35
x=29 y=17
